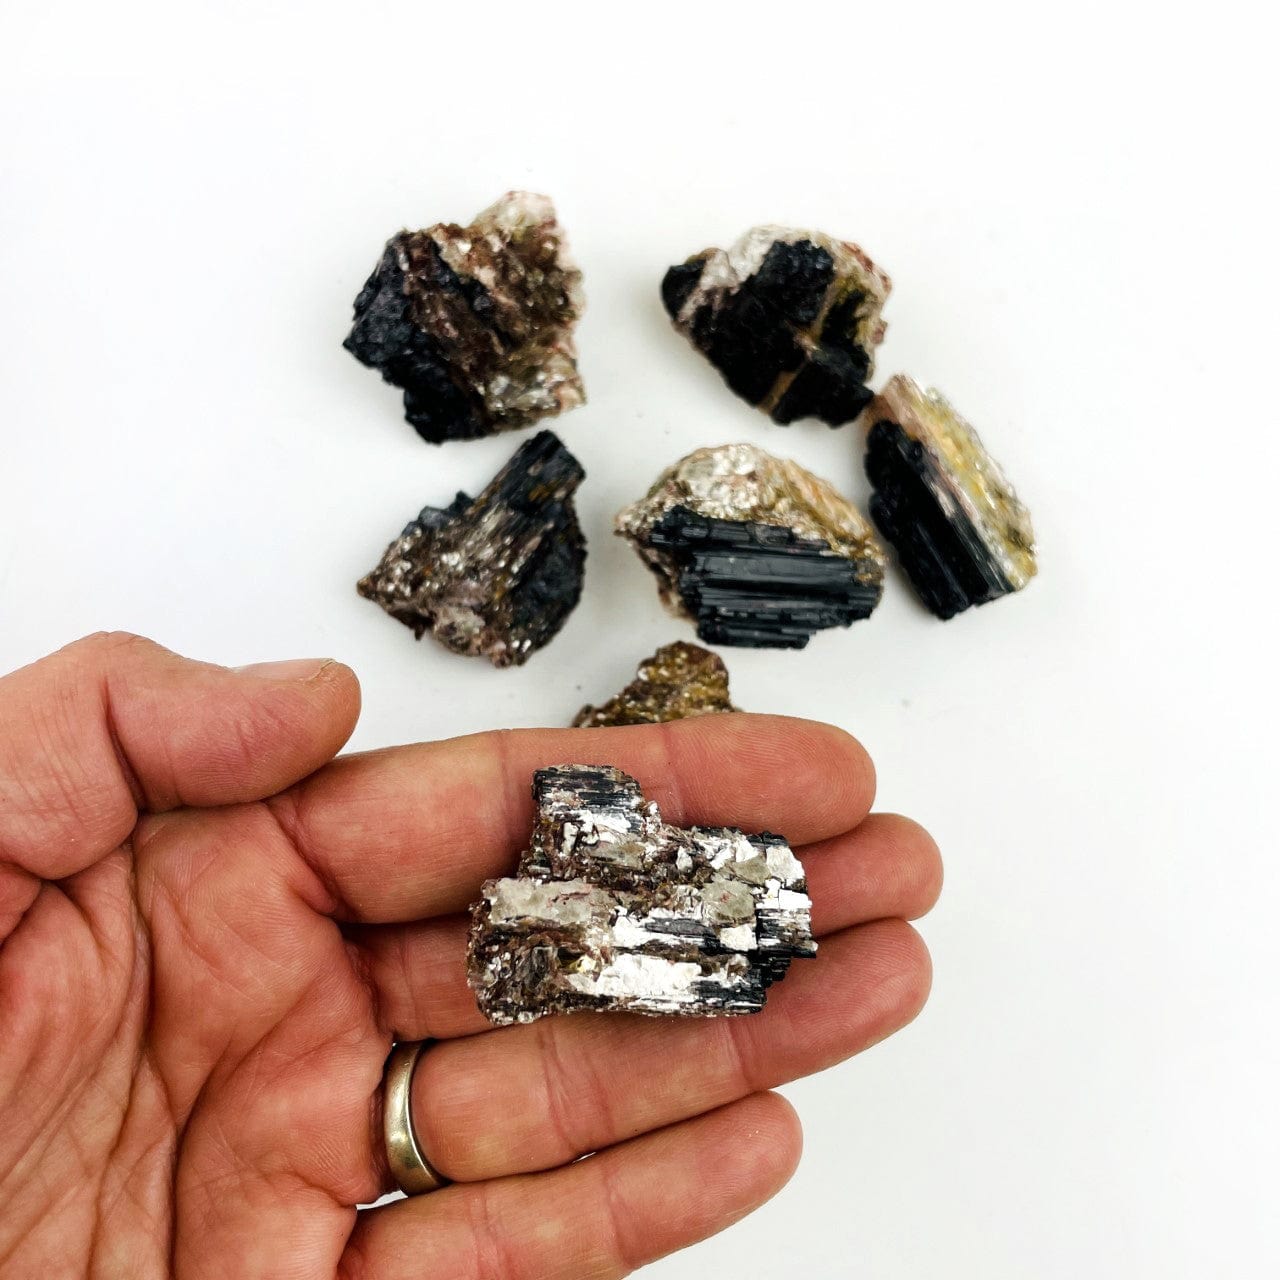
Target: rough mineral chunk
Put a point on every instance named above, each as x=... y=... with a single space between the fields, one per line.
x=791 y=319
x=680 y=680
x=755 y=549
x=496 y=575
x=960 y=532
x=475 y=323
x=613 y=910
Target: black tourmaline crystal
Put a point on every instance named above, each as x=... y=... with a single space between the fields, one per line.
x=755 y=549
x=613 y=910
x=758 y=584
x=497 y=575
x=790 y=318
x=960 y=532
x=475 y=323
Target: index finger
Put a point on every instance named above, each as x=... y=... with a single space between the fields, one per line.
x=412 y=831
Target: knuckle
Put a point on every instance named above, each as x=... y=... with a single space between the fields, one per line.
x=566 y=1078
x=624 y=1252
x=108 y=644
x=492 y=1254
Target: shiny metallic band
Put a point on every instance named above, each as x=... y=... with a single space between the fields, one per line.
x=409 y=1167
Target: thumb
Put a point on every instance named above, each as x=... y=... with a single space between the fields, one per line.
x=115 y=723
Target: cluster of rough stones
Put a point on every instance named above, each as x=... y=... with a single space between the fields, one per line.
x=476 y=323
x=612 y=908
x=791 y=320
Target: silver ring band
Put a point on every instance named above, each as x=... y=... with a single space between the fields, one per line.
x=412 y=1171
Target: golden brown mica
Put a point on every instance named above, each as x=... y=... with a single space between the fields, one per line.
x=678 y=681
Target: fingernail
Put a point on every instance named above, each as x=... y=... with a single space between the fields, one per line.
x=294 y=669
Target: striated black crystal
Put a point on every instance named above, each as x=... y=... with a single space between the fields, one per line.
x=755 y=549
x=761 y=585
x=960 y=532
x=941 y=553
x=495 y=576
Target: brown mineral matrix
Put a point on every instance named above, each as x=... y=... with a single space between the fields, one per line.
x=475 y=323
x=678 y=681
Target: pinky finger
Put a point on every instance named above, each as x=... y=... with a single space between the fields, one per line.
x=602 y=1217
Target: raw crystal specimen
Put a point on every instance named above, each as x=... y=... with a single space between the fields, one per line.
x=495 y=575
x=755 y=549
x=613 y=910
x=680 y=680
x=960 y=532
x=791 y=319
x=475 y=323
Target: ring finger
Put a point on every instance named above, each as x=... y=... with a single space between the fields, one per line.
x=537 y=1096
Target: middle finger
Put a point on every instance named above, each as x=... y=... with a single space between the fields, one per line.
x=887 y=866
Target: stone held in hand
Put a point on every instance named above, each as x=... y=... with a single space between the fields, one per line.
x=475 y=323
x=961 y=534
x=755 y=549
x=790 y=318
x=498 y=575
x=613 y=910
x=678 y=681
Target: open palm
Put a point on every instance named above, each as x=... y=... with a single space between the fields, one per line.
x=211 y=931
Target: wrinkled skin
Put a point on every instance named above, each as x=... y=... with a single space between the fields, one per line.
x=211 y=931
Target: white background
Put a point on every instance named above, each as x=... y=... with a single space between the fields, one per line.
x=1075 y=204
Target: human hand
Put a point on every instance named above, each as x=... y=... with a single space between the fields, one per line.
x=211 y=931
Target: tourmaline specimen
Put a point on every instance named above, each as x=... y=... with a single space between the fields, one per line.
x=680 y=680
x=611 y=909
x=960 y=532
x=475 y=323
x=495 y=575
x=755 y=549
x=791 y=319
